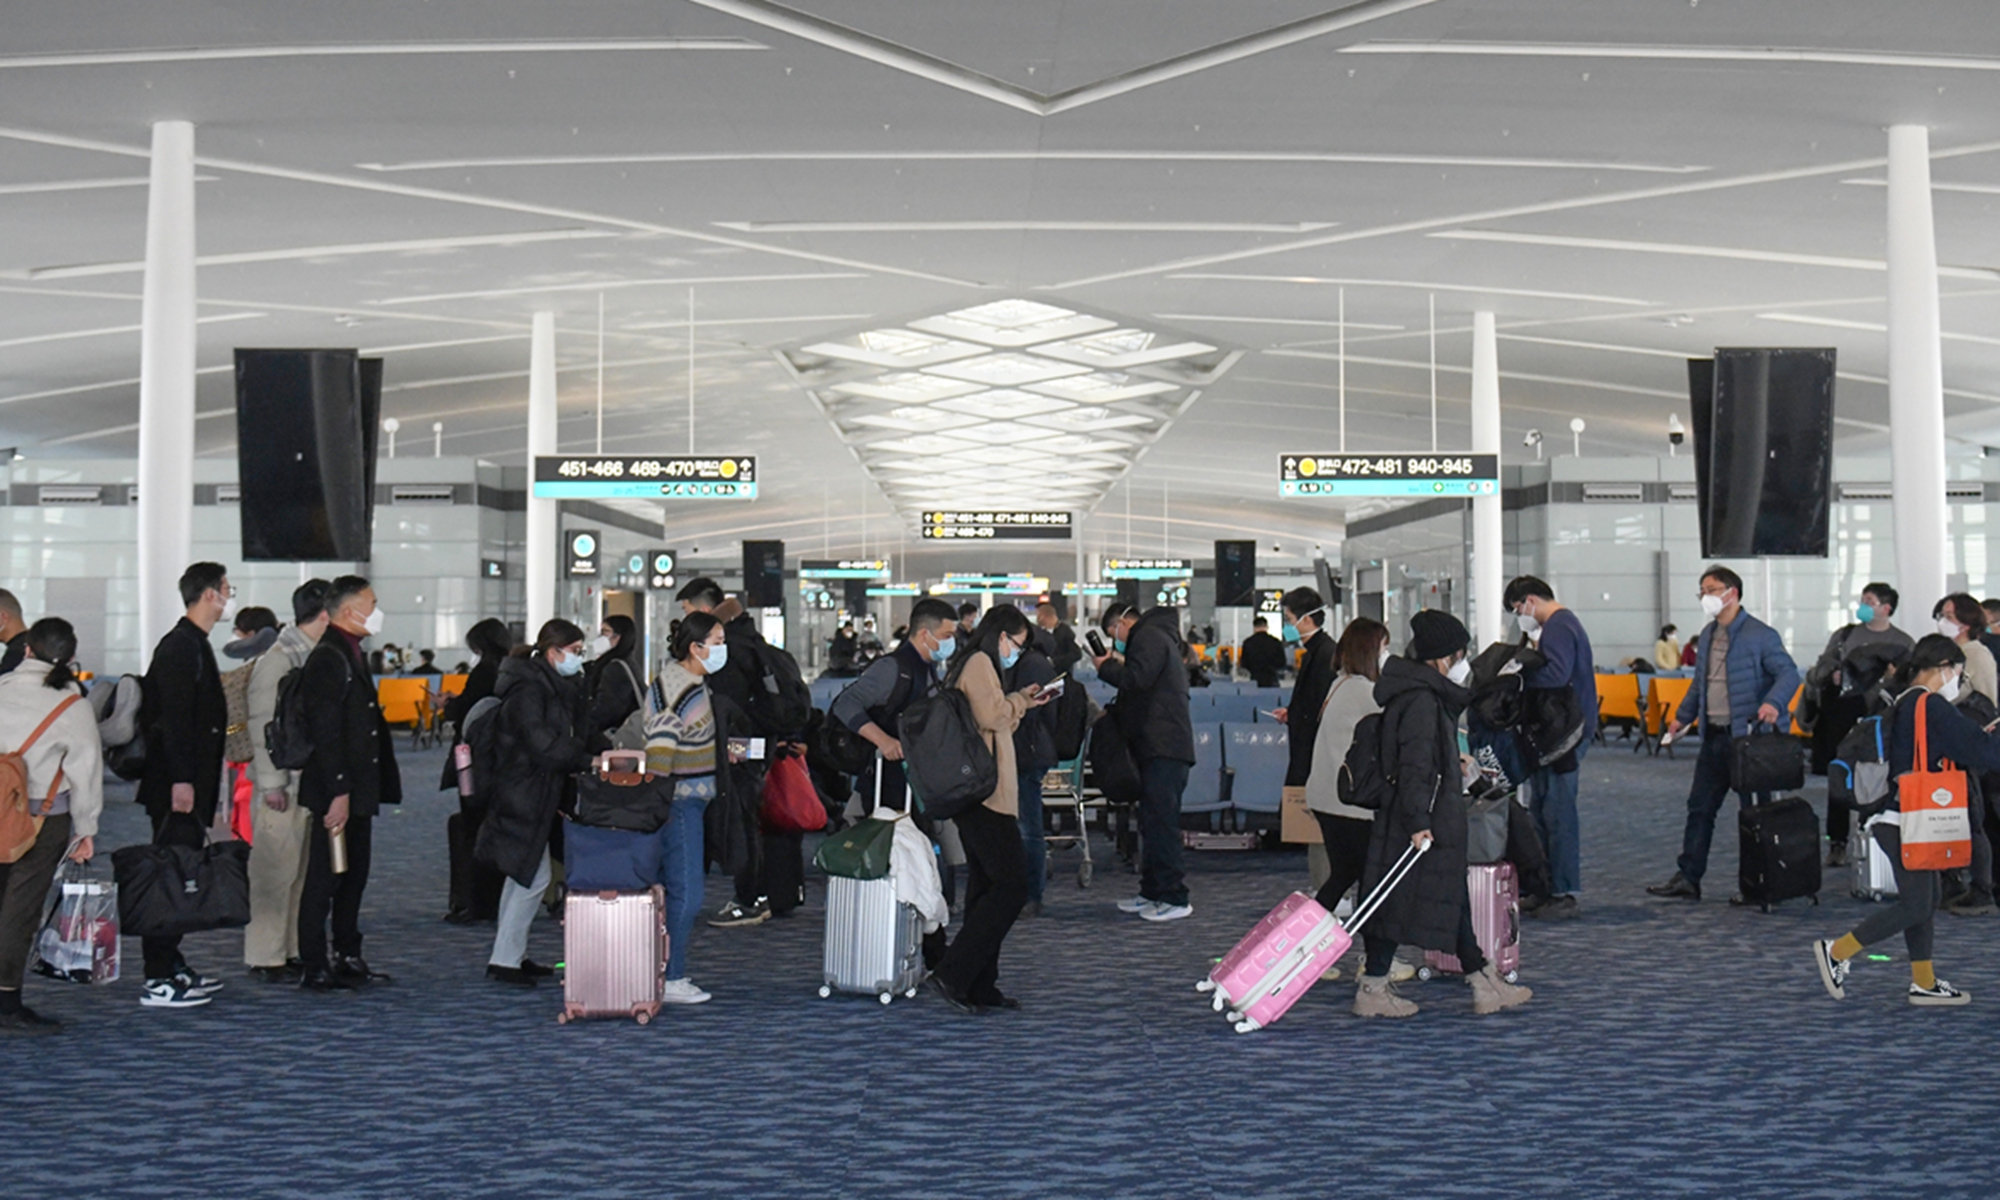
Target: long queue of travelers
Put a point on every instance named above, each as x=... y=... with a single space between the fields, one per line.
x=543 y=713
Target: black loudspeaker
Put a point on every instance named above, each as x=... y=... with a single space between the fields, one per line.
x=763 y=574
x=1236 y=574
x=1131 y=591
x=1769 y=453
x=305 y=435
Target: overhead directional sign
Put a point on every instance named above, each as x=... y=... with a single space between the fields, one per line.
x=580 y=550
x=987 y=524
x=843 y=568
x=897 y=589
x=645 y=477
x=1388 y=474
x=1148 y=568
x=660 y=569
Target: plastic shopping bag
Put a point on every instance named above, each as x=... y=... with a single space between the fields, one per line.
x=79 y=941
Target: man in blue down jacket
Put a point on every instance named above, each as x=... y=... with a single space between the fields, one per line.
x=1153 y=715
x=1742 y=677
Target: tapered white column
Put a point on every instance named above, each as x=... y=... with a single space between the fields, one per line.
x=541 y=534
x=1488 y=616
x=1916 y=374
x=166 y=384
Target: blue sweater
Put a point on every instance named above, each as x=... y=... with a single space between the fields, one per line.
x=1567 y=648
x=1952 y=736
x=1760 y=672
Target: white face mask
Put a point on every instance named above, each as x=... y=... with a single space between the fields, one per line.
x=1526 y=620
x=1949 y=628
x=1460 y=672
x=1949 y=690
x=1712 y=606
x=1382 y=656
x=600 y=646
x=373 y=622
x=228 y=608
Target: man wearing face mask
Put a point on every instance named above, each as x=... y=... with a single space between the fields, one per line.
x=873 y=704
x=351 y=774
x=1153 y=715
x=1304 y=611
x=186 y=718
x=1568 y=664
x=1846 y=676
x=1742 y=677
x=1263 y=656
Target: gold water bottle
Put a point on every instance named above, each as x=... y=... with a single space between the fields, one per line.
x=337 y=848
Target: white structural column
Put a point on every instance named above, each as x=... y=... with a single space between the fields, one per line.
x=1487 y=575
x=166 y=383
x=1916 y=372
x=541 y=533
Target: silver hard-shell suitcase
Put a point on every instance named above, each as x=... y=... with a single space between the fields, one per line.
x=1874 y=874
x=615 y=954
x=874 y=942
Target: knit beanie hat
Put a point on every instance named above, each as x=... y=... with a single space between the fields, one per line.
x=1436 y=634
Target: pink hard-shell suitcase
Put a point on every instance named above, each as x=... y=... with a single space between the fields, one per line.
x=1284 y=955
x=615 y=954
x=1496 y=920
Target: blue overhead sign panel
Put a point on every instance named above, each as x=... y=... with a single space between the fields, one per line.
x=988 y=524
x=645 y=477
x=844 y=568
x=1148 y=568
x=1388 y=474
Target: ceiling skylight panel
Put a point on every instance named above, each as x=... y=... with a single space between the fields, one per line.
x=1004 y=404
x=906 y=387
x=1086 y=420
x=1120 y=348
x=896 y=348
x=1000 y=433
x=1005 y=369
x=1100 y=388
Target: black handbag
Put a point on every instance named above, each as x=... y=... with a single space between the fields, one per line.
x=1112 y=766
x=167 y=891
x=635 y=800
x=1767 y=761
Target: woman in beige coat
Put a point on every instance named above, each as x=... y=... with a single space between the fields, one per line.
x=968 y=974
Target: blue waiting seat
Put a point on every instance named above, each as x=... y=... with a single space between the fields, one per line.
x=1257 y=757
x=1240 y=710
x=1204 y=791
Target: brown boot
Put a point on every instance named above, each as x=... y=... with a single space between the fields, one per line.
x=1490 y=993
x=1373 y=997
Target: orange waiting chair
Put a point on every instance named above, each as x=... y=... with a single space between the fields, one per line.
x=1667 y=694
x=401 y=699
x=1617 y=700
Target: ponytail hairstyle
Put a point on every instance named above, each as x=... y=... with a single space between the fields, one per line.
x=692 y=631
x=1932 y=651
x=628 y=636
x=53 y=640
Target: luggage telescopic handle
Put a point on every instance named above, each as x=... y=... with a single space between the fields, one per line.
x=1360 y=916
x=607 y=761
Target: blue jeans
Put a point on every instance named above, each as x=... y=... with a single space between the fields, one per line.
x=1552 y=802
x=1034 y=839
x=682 y=875
x=1705 y=797
x=1162 y=780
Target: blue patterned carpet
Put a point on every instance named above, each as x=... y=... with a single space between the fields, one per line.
x=1670 y=1051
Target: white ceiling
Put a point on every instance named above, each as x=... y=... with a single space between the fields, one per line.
x=1624 y=182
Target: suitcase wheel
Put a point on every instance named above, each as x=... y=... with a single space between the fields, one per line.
x=824 y=991
x=1205 y=985
x=885 y=997
x=910 y=995
x=1083 y=875
x=1427 y=974
x=1245 y=1026
x=1232 y=1015
x=643 y=1017
x=1512 y=977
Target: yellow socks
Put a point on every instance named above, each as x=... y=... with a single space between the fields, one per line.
x=1924 y=975
x=1847 y=947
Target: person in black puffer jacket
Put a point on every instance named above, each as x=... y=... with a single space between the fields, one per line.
x=1421 y=698
x=1153 y=715
x=540 y=738
x=616 y=675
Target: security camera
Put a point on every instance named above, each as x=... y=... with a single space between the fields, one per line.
x=1676 y=432
x=1532 y=438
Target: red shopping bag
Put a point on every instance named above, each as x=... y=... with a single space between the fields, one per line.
x=791 y=803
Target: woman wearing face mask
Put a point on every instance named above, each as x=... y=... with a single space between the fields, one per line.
x=539 y=742
x=968 y=974
x=1346 y=831
x=1421 y=698
x=1960 y=618
x=685 y=738
x=617 y=687
x=1933 y=672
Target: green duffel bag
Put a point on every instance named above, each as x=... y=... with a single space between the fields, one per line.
x=858 y=852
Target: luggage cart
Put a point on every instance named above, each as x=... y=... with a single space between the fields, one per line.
x=1063 y=788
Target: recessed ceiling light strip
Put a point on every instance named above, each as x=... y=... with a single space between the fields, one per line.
x=1310 y=157
x=1758 y=54
x=1692 y=250
x=113 y=58
x=134 y=266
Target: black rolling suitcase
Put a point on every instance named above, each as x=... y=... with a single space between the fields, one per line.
x=1780 y=851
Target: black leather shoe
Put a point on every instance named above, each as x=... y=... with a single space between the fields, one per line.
x=287 y=973
x=1680 y=887
x=517 y=976
x=997 y=999
x=355 y=970
x=26 y=1022
x=955 y=998
x=530 y=967
x=460 y=916
x=320 y=979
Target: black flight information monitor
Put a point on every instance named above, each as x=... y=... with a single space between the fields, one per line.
x=1388 y=474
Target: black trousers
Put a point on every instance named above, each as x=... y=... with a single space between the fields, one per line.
x=1837 y=715
x=339 y=895
x=1346 y=841
x=1381 y=952
x=996 y=891
x=24 y=888
x=170 y=828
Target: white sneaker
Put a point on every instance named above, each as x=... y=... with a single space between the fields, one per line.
x=197 y=983
x=169 y=993
x=1134 y=904
x=1163 y=911
x=683 y=991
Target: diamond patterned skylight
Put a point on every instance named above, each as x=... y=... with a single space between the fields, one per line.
x=1015 y=402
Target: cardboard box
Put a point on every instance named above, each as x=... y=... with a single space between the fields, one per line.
x=1296 y=822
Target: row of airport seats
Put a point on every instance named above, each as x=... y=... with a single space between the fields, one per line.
x=1239 y=767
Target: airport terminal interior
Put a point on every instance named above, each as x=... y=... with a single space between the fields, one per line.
x=1249 y=319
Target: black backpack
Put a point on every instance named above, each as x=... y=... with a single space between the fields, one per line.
x=1112 y=767
x=780 y=702
x=288 y=734
x=945 y=758
x=1072 y=721
x=1364 y=780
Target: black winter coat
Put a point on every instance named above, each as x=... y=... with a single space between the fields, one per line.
x=1420 y=722
x=186 y=719
x=616 y=686
x=740 y=674
x=1035 y=737
x=1263 y=659
x=353 y=755
x=539 y=742
x=478 y=686
x=1153 y=689
x=1316 y=676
